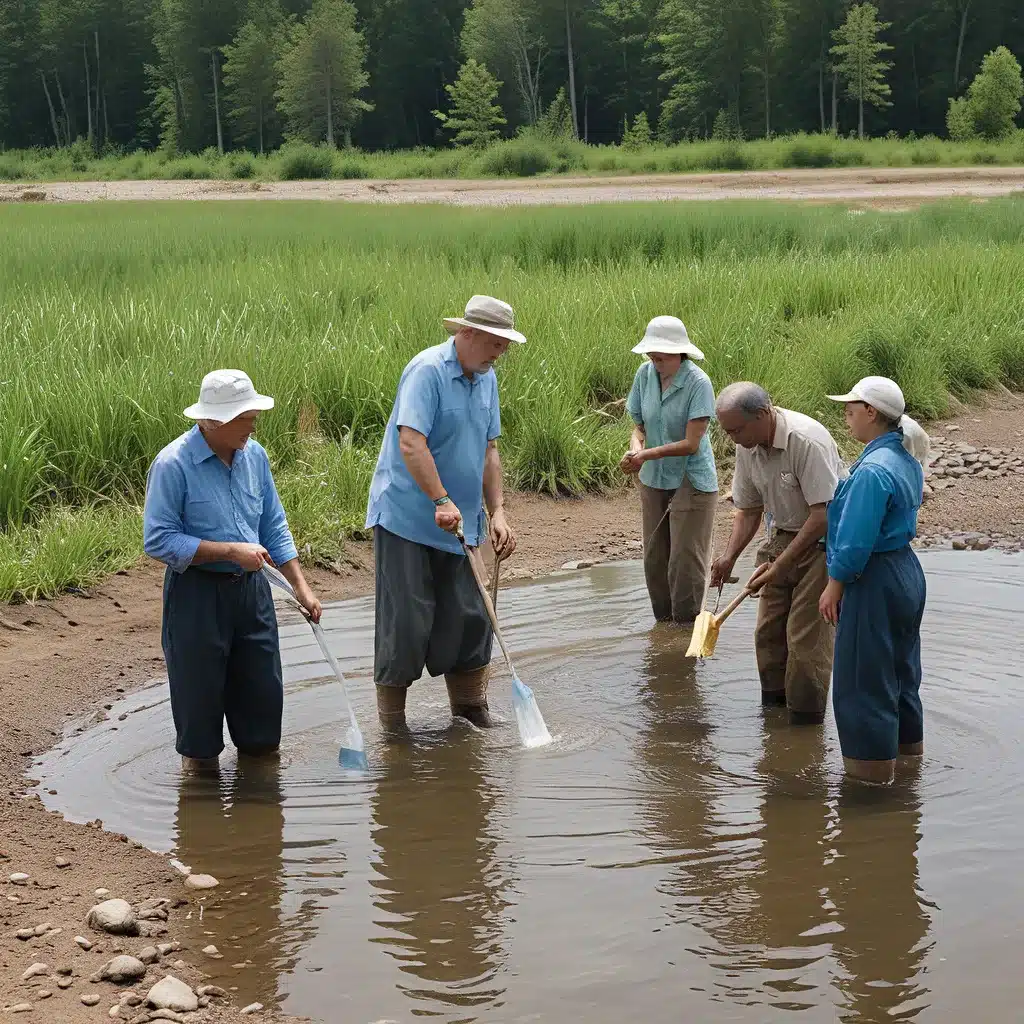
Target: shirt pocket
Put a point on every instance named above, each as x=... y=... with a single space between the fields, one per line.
x=250 y=496
x=202 y=518
x=789 y=480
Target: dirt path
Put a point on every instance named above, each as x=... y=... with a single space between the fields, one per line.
x=61 y=661
x=899 y=186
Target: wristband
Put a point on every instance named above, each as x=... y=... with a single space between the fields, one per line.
x=442 y=501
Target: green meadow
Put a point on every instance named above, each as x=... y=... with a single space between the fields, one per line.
x=111 y=314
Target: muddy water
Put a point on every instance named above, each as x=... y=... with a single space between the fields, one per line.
x=676 y=854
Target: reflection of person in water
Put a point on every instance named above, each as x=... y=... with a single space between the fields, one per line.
x=875 y=888
x=232 y=828
x=678 y=765
x=437 y=874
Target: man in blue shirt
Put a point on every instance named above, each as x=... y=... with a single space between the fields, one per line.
x=214 y=518
x=437 y=467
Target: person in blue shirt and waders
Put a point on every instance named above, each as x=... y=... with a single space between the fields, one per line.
x=438 y=466
x=671 y=403
x=214 y=518
x=876 y=589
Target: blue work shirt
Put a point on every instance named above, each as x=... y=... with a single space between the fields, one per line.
x=875 y=508
x=458 y=415
x=192 y=496
x=663 y=415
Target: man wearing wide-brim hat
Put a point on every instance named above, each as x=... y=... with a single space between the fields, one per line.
x=214 y=518
x=438 y=467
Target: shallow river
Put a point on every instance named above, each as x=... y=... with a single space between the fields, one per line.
x=676 y=854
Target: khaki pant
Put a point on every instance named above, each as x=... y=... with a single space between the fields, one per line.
x=677 y=548
x=794 y=644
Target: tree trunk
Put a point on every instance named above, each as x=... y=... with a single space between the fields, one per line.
x=960 y=47
x=330 y=115
x=259 y=113
x=572 y=73
x=96 y=38
x=821 y=86
x=64 y=108
x=835 y=102
x=860 y=117
x=53 y=113
x=586 y=115
x=216 y=101
x=88 y=96
x=106 y=123
x=767 y=104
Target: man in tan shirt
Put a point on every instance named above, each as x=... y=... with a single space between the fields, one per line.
x=788 y=466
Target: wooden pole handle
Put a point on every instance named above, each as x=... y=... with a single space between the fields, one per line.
x=731 y=607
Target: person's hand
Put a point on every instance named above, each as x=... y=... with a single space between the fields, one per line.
x=309 y=601
x=251 y=557
x=831 y=598
x=448 y=516
x=503 y=540
x=764 y=575
x=721 y=572
x=632 y=461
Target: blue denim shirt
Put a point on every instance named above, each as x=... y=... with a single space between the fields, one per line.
x=458 y=415
x=664 y=416
x=192 y=496
x=875 y=508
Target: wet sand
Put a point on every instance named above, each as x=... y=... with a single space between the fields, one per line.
x=887 y=187
x=72 y=656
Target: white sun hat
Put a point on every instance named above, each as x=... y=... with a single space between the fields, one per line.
x=487 y=314
x=880 y=393
x=225 y=394
x=667 y=334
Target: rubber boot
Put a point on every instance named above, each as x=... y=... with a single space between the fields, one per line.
x=871 y=773
x=467 y=694
x=391 y=709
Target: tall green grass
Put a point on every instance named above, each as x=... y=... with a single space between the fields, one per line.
x=524 y=156
x=112 y=314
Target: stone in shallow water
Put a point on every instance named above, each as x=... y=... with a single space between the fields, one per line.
x=201 y=882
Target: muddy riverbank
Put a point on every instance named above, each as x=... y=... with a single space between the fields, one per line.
x=890 y=187
x=62 y=661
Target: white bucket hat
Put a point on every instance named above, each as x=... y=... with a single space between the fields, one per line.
x=487 y=314
x=225 y=394
x=880 y=393
x=667 y=334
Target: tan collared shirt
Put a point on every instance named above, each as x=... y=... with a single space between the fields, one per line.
x=802 y=468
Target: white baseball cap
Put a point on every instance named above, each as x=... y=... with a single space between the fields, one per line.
x=667 y=334
x=225 y=394
x=878 y=392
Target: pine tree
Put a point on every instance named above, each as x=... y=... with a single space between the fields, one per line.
x=995 y=94
x=250 y=79
x=857 y=51
x=321 y=73
x=474 y=116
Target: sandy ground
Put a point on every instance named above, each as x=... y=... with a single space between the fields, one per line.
x=890 y=187
x=61 y=661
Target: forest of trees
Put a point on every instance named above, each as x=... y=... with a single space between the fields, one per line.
x=192 y=74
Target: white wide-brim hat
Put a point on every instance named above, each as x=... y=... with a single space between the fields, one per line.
x=667 y=334
x=225 y=394
x=487 y=314
x=880 y=393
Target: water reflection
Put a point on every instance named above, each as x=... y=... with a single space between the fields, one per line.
x=885 y=918
x=232 y=827
x=439 y=883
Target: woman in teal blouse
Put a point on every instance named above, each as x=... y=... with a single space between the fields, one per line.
x=671 y=404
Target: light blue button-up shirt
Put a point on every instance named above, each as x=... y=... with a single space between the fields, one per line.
x=192 y=496
x=458 y=416
x=664 y=416
x=875 y=508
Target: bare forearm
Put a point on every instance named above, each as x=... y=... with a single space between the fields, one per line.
x=214 y=551
x=745 y=524
x=676 y=448
x=637 y=439
x=292 y=572
x=420 y=464
x=493 y=488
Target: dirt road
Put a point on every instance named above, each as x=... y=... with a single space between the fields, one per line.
x=889 y=187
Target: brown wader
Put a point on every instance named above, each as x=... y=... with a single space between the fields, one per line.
x=793 y=642
x=677 y=548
